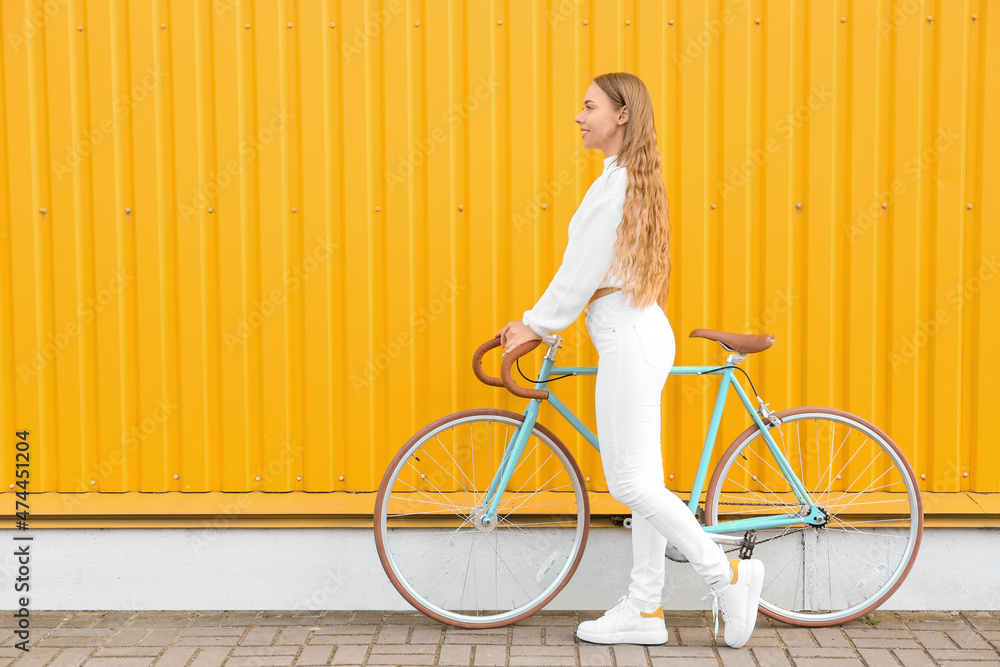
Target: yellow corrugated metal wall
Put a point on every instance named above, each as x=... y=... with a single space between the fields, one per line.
x=252 y=246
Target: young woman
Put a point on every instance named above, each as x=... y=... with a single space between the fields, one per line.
x=616 y=264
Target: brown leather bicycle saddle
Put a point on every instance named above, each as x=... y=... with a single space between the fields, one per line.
x=736 y=342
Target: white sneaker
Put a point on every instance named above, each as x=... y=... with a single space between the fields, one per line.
x=625 y=623
x=738 y=601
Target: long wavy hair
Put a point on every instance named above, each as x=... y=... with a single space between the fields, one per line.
x=642 y=251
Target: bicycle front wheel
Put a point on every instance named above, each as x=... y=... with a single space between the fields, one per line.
x=434 y=548
x=829 y=574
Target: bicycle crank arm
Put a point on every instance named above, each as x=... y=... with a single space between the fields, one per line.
x=674 y=554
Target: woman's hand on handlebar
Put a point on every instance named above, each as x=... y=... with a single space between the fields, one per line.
x=516 y=333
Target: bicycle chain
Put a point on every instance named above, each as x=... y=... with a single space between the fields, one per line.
x=764 y=504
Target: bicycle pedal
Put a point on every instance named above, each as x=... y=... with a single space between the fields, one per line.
x=749 y=542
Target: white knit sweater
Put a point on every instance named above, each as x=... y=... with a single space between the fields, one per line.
x=590 y=250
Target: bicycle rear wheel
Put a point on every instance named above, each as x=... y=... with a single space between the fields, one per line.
x=436 y=552
x=830 y=574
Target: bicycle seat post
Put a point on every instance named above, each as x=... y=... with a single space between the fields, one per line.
x=735 y=358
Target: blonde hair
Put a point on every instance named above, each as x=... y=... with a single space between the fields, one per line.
x=642 y=251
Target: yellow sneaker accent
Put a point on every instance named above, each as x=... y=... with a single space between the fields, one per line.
x=734 y=563
x=656 y=612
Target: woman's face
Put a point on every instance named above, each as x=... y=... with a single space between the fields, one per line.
x=602 y=126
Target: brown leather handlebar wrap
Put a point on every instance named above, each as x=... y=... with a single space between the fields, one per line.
x=505 y=379
x=477 y=362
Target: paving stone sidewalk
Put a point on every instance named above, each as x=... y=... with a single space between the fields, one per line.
x=546 y=639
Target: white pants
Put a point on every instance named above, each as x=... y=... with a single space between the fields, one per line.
x=635 y=353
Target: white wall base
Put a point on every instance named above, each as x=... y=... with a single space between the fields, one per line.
x=337 y=568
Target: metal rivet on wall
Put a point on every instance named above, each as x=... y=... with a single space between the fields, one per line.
x=211 y=210
x=798 y=206
x=333 y=25
x=93 y=481
x=42 y=210
x=758 y=21
x=544 y=206
x=460 y=208
x=923 y=476
x=257 y=478
x=968 y=206
x=341 y=478
x=671 y=21
x=884 y=206
x=627 y=22
x=930 y=18
x=416 y=24
x=713 y=206
x=163 y=26
x=176 y=476
x=378 y=208
x=671 y=476
x=585 y=22
x=587 y=479
x=499 y=21
x=295 y=210
x=965 y=474
x=80 y=28
x=975 y=16
x=128 y=211
x=298 y=477
x=246 y=25
x=843 y=19
x=289 y=25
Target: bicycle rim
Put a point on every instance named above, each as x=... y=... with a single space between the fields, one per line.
x=444 y=562
x=824 y=575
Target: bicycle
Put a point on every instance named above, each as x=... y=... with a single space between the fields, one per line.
x=818 y=490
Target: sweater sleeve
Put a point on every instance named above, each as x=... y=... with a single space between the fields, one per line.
x=589 y=254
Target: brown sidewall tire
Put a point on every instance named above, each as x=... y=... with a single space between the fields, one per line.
x=743 y=437
x=383 y=492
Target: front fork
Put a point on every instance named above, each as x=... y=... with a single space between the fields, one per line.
x=512 y=454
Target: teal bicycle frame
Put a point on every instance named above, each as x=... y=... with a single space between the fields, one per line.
x=512 y=454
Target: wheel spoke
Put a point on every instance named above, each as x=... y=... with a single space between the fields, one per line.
x=446 y=571
x=849 y=565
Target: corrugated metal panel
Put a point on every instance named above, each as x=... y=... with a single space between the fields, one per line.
x=252 y=246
